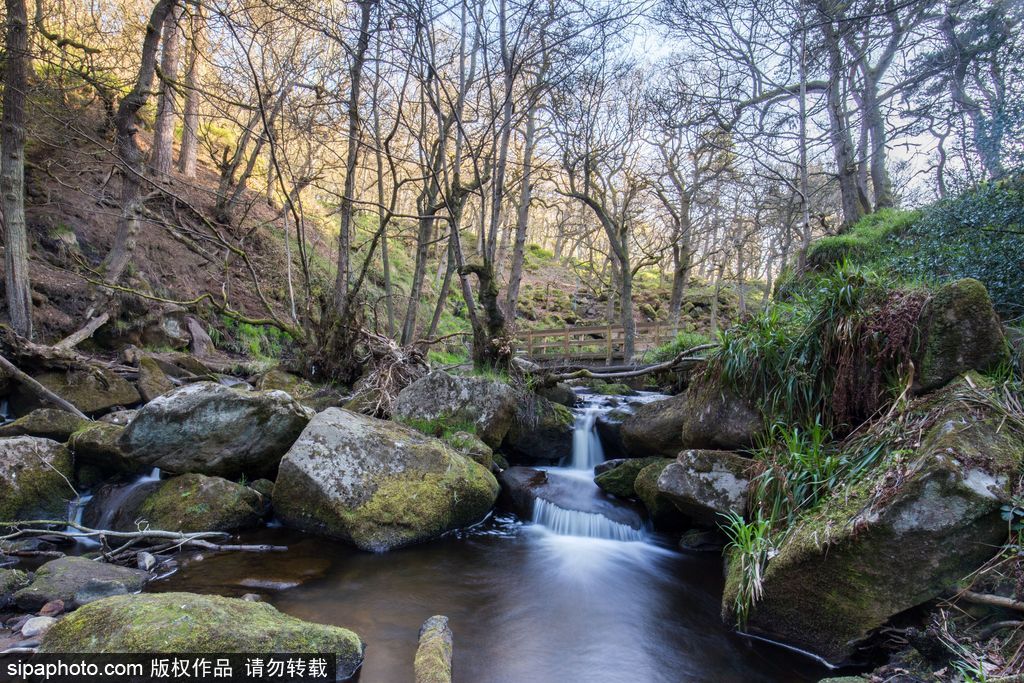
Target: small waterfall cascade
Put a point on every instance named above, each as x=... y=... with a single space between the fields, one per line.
x=586 y=444
x=587 y=453
x=5 y=412
x=564 y=522
x=119 y=497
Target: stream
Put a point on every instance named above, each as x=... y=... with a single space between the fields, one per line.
x=568 y=596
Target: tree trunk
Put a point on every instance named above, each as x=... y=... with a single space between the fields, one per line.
x=188 y=155
x=127 y=148
x=12 y=170
x=341 y=284
x=523 y=217
x=160 y=160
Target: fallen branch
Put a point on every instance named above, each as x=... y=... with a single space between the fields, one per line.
x=73 y=340
x=684 y=358
x=38 y=389
x=992 y=600
x=992 y=629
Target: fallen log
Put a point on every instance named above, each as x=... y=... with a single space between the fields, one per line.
x=38 y=389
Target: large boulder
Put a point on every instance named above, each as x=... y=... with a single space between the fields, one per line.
x=663 y=512
x=541 y=431
x=98 y=445
x=35 y=478
x=63 y=578
x=378 y=484
x=705 y=485
x=717 y=417
x=485 y=406
x=93 y=391
x=619 y=476
x=216 y=430
x=173 y=623
x=11 y=581
x=48 y=423
x=917 y=524
x=195 y=502
x=655 y=429
x=959 y=331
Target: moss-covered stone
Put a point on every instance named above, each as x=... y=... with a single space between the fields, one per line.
x=98 y=445
x=11 y=581
x=194 y=502
x=378 y=484
x=433 y=662
x=92 y=391
x=48 y=423
x=277 y=379
x=184 y=622
x=619 y=480
x=35 y=476
x=663 y=512
x=959 y=331
x=704 y=485
x=153 y=381
x=541 y=431
x=472 y=447
x=62 y=578
x=489 y=405
x=921 y=521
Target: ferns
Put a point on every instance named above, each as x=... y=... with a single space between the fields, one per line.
x=751 y=546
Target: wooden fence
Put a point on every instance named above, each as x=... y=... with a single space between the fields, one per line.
x=605 y=342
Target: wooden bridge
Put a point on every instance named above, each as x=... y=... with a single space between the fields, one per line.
x=603 y=342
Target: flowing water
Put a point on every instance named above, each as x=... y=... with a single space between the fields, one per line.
x=569 y=597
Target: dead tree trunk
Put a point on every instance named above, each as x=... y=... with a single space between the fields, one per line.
x=188 y=155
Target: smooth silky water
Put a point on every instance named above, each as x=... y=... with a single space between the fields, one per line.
x=566 y=598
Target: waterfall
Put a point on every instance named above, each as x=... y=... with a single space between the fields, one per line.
x=119 y=497
x=586 y=445
x=5 y=412
x=586 y=524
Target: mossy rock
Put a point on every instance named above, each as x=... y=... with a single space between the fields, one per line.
x=194 y=502
x=278 y=379
x=920 y=522
x=706 y=485
x=663 y=513
x=61 y=579
x=542 y=431
x=11 y=581
x=472 y=447
x=173 y=623
x=98 y=445
x=619 y=481
x=959 y=331
x=48 y=423
x=35 y=476
x=433 y=661
x=377 y=484
x=153 y=381
x=611 y=388
x=93 y=391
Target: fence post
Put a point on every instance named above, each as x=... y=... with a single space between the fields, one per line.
x=529 y=344
x=565 y=344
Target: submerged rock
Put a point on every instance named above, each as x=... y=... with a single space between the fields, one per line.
x=35 y=476
x=959 y=331
x=433 y=663
x=48 y=423
x=488 y=405
x=63 y=578
x=902 y=536
x=378 y=484
x=619 y=479
x=184 y=622
x=704 y=485
x=195 y=502
x=215 y=430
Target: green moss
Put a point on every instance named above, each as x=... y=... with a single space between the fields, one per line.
x=49 y=423
x=32 y=488
x=864 y=241
x=646 y=486
x=11 y=580
x=611 y=388
x=620 y=480
x=183 y=622
x=403 y=511
x=193 y=502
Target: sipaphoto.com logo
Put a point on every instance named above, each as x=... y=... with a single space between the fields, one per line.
x=61 y=669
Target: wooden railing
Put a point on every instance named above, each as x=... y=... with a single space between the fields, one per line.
x=603 y=342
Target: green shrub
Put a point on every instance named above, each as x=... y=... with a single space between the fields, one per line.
x=682 y=342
